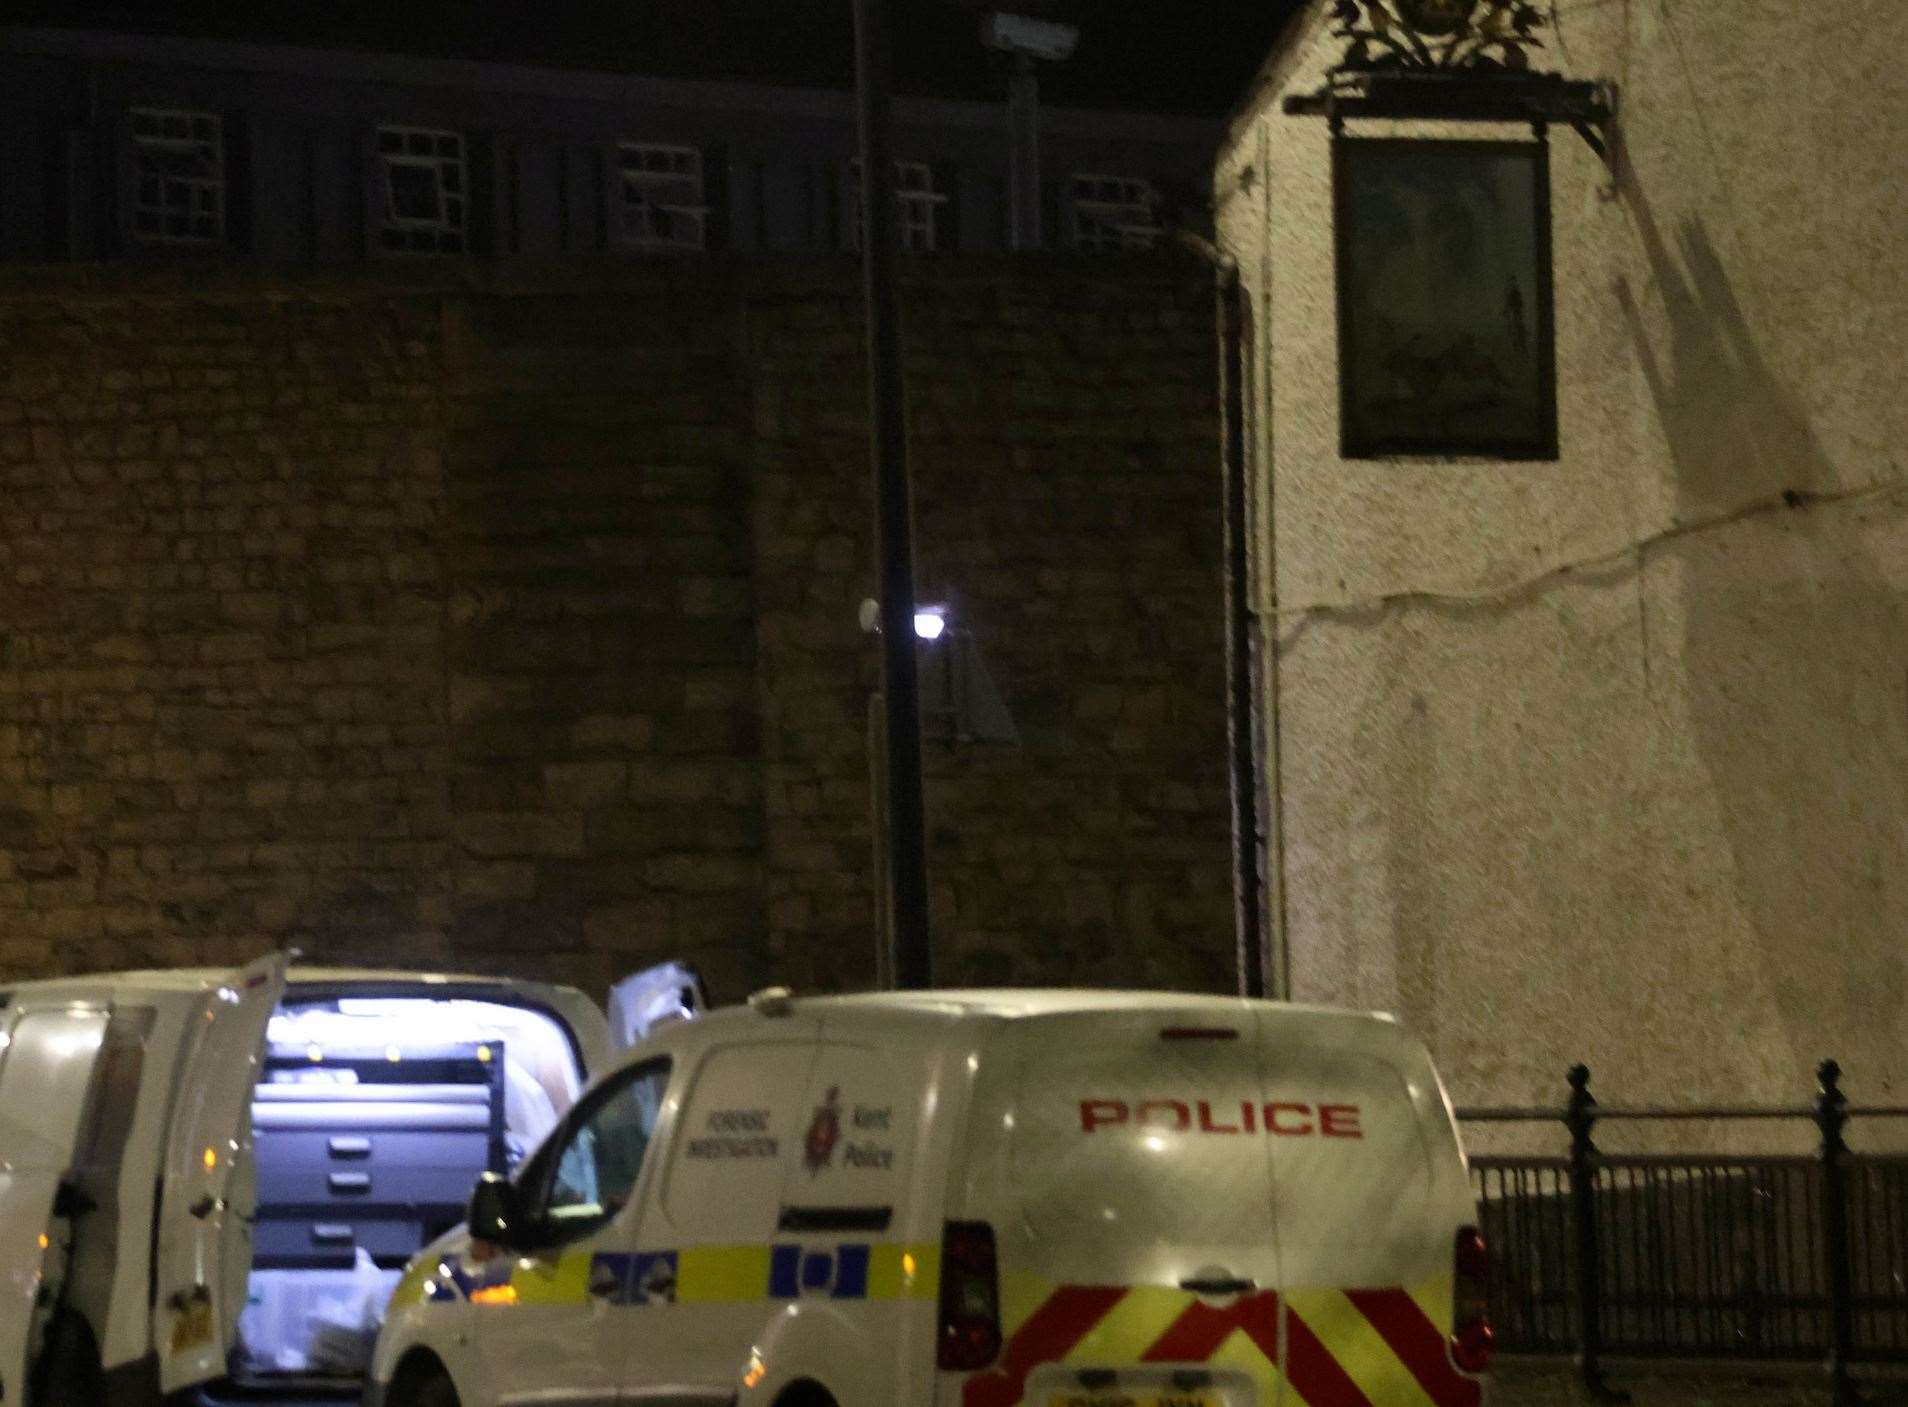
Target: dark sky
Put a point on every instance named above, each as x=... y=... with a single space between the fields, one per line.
x=1132 y=53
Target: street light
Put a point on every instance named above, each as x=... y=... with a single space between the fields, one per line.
x=958 y=697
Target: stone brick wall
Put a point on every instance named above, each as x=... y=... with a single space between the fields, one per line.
x=508 y=621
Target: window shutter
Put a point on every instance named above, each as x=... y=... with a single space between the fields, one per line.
x=1056 y=229
x=371 y=194
x=480 y=209
x=113 y=183
x=947 y=180
x=241 y=209
x=717 y=224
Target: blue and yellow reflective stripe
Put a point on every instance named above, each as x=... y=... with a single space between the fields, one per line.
x=722 y=1274
x=784 y=1270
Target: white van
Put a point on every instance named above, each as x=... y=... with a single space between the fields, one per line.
x=217 y=1177
x=1065 y=1199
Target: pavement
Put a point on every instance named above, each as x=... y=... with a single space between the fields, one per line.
x=1551 y=1384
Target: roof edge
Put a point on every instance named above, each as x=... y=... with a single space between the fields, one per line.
x=577 y=81
x=1274 y=71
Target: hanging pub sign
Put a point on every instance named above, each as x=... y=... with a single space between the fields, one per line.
x=1444 y=299
x=1445 y=306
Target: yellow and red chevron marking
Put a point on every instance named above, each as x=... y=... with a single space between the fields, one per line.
x=1343 y=1348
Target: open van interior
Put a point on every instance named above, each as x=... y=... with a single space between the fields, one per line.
x=372 y=1119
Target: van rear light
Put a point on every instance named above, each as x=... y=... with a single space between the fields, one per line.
x=1471 y=1335
x=969 y=1337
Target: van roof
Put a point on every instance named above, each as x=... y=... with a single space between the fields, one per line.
x=193 y=979
x=1020 y=1003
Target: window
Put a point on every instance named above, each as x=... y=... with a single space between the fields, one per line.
x=921 y=202
x=1114 y=212
x=593 y=1167
x=662 y=196
x=425 y=190
x=178 y=177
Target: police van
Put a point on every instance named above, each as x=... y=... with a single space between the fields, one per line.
x=971 y=1199
x=217 y=1177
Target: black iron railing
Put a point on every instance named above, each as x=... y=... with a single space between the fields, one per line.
x=1695 y=1255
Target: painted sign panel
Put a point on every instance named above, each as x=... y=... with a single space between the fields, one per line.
x=1444 y=299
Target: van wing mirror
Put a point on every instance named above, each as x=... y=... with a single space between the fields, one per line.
x=496 y=1212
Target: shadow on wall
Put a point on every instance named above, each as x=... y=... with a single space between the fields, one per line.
x=1793 y=656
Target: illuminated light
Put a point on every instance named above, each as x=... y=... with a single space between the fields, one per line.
x=1007 y=1120
x=483 y=1054
x=494 y=1294
x=1155 y=1142
x=758 y=1370
x=45 y=1240
x=5 y=1040
x=930 y=622
x=210 y=1158
x=314 y=1054
x=973 y=1064
x=228 y=996
x=908 y=1264
x=1108 y=1214
x=393 y=1054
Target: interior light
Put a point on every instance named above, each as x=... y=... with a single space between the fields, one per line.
x=483 y=1054
x=45 y=1240
x=210 y=1158
x=907 y=1264
x=317 y=1055
x=930 y=622
x=393 y=1054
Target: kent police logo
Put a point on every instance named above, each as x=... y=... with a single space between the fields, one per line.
x=818 y=1149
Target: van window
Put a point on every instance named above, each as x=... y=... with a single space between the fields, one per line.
x=743 y=1121
x=593 y=1169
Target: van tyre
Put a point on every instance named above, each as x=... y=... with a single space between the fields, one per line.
x=805 y=1395
x=434 y=1391
x=68 y=1372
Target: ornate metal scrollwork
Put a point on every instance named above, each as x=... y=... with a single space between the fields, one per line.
x=1436 y=36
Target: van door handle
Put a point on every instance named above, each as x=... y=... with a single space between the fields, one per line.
x=1218 y=1285
x=342 y=1182
x=350 y=1146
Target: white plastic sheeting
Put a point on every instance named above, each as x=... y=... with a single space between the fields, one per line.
x=317 y=1322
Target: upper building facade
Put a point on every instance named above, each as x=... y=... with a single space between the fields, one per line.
x=1599 y=752
x=117 y=146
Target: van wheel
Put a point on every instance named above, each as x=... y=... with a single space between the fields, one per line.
x=805 y=1395
x=68 y=1372
x=434 y=1391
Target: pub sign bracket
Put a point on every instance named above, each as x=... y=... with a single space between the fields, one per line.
x=1452 y=61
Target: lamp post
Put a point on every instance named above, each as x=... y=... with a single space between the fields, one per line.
x=902 y=810
x=1027 y=39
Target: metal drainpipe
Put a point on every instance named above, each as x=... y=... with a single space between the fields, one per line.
x=1242 y=749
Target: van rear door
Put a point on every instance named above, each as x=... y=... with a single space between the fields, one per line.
x=1369 y=1193
x=209 y=1193
x=1132 y=1210
x=46 y=1068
